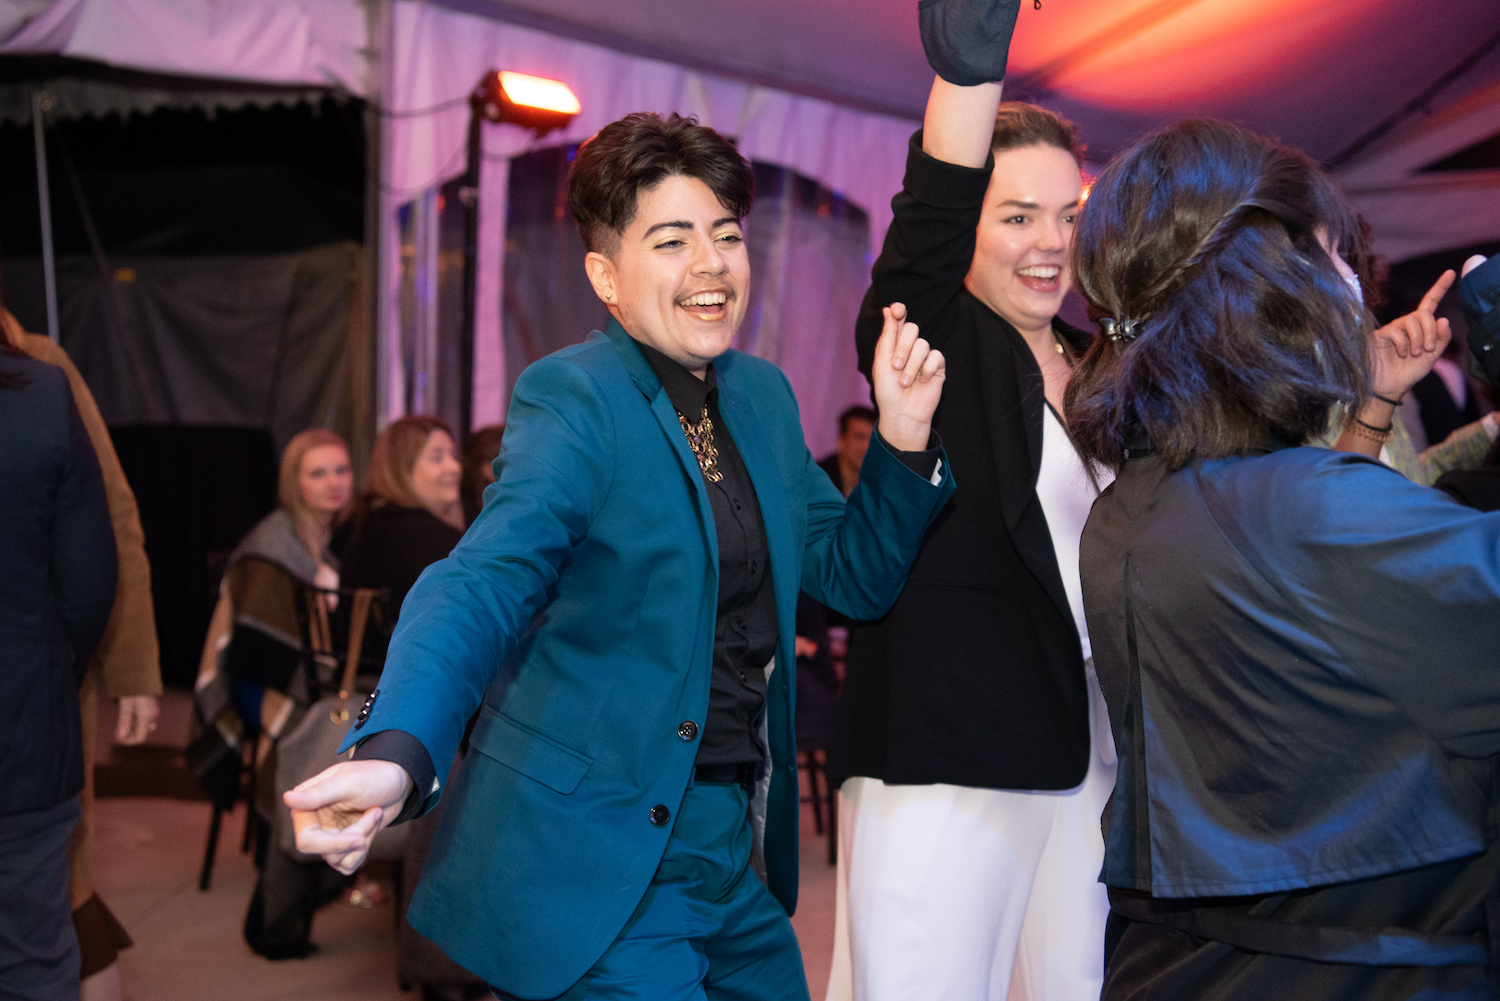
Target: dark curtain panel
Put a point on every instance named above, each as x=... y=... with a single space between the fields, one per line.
x=200 y=490
x=267 y=340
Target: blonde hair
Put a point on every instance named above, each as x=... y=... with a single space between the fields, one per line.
x=396 y=452
x=289 y=486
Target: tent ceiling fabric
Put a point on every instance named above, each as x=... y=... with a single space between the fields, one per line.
x=316 y=42
x=1315 y=73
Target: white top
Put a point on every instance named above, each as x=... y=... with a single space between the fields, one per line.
x=1067 y=495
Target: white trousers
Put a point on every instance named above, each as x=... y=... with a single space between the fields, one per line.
x=960 y=894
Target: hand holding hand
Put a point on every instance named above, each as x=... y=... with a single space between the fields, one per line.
x=1403 y=351
x=338 y=812
x=908 y=379
x=137 y=719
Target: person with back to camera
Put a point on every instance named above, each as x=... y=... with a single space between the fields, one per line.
x=56 y=593
x=971 y=743
x=1297 y=645
x=125 y=667
x=621 y=614
x=247 y=684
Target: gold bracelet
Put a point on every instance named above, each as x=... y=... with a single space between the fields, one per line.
x=1370 y=431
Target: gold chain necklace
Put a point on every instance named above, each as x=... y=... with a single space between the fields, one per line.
x=700 y=437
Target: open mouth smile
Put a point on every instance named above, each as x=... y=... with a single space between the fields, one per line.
x=707 y=305
x=1045 y=278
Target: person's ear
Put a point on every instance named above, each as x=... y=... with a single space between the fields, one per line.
x=601 y=272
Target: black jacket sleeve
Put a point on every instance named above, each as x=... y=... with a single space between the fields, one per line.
x=928 y=248
x=84 y=566
x=1480 y=292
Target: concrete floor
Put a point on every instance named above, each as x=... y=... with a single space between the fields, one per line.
x=188 y=945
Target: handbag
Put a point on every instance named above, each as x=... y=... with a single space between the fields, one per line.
x=312 y=745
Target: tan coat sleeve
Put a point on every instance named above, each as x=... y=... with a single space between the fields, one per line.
x=128 y=657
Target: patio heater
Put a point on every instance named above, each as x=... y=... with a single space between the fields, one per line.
x=501 y=96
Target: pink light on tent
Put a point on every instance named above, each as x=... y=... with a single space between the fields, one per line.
x=1151 y=55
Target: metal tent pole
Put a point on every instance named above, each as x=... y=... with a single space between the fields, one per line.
x=39 y=102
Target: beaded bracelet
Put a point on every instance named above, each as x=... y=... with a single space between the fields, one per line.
x=1372 y=432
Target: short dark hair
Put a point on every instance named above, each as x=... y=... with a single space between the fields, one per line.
x=855 y=413
x=1205 y=234
x=1019 y=124
x=640 y=151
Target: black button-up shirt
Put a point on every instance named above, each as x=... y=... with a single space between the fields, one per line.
x=745 y=630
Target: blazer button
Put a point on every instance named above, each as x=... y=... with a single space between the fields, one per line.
x=660 y=815
x=688 y=730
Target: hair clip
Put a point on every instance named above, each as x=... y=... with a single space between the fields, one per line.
x=1119 y=331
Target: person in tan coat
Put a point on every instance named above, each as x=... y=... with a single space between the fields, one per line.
x=126 y=667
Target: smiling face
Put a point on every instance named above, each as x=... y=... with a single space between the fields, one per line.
x=679 y=279
x=435 y=475
x=1025 y=231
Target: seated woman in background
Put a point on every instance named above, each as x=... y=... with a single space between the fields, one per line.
x=1297 y=645
x=247 y=685
x=412 y=514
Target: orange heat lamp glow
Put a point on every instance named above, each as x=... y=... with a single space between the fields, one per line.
x=532 y=102
x=537 y=92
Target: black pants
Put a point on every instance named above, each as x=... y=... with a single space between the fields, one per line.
x=39 y=958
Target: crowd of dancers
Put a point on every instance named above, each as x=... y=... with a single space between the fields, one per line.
x=1171 y=676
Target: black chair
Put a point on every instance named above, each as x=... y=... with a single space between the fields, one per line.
x=318 y=672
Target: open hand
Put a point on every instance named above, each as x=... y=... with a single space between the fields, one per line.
x=908 y=382
x=338 y=812
x=1403 y=351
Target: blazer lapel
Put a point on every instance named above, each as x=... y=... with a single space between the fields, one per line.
x=1014 y=399
x=646 y=381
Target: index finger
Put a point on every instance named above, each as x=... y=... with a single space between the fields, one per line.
x=330 y=786
x=1439 y=289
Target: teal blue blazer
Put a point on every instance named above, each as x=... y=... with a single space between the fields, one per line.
x=577 y=615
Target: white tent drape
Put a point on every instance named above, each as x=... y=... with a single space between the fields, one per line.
x=438 y=55
x=1413 y=213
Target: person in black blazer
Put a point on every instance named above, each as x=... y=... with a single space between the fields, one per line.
x=964 y=746
x=57 y=548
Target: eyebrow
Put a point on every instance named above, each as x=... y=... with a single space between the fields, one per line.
x=1033 y=205
x=684 y=224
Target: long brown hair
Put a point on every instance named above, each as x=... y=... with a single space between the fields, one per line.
x=289 y=486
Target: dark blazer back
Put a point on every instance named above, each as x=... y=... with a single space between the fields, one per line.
x=975 y=677
x=57 y=588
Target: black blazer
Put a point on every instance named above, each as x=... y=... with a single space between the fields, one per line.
x=975 y=676
x=57 y=584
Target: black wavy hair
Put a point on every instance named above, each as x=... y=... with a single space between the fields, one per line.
x=1207 y=236
x=640 y=151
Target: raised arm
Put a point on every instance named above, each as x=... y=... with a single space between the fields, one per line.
x=930 y=244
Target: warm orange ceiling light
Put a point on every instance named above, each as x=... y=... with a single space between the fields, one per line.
x=538 y=92
x=531 y=102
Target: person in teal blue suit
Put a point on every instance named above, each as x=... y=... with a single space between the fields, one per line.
x=621 y=615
